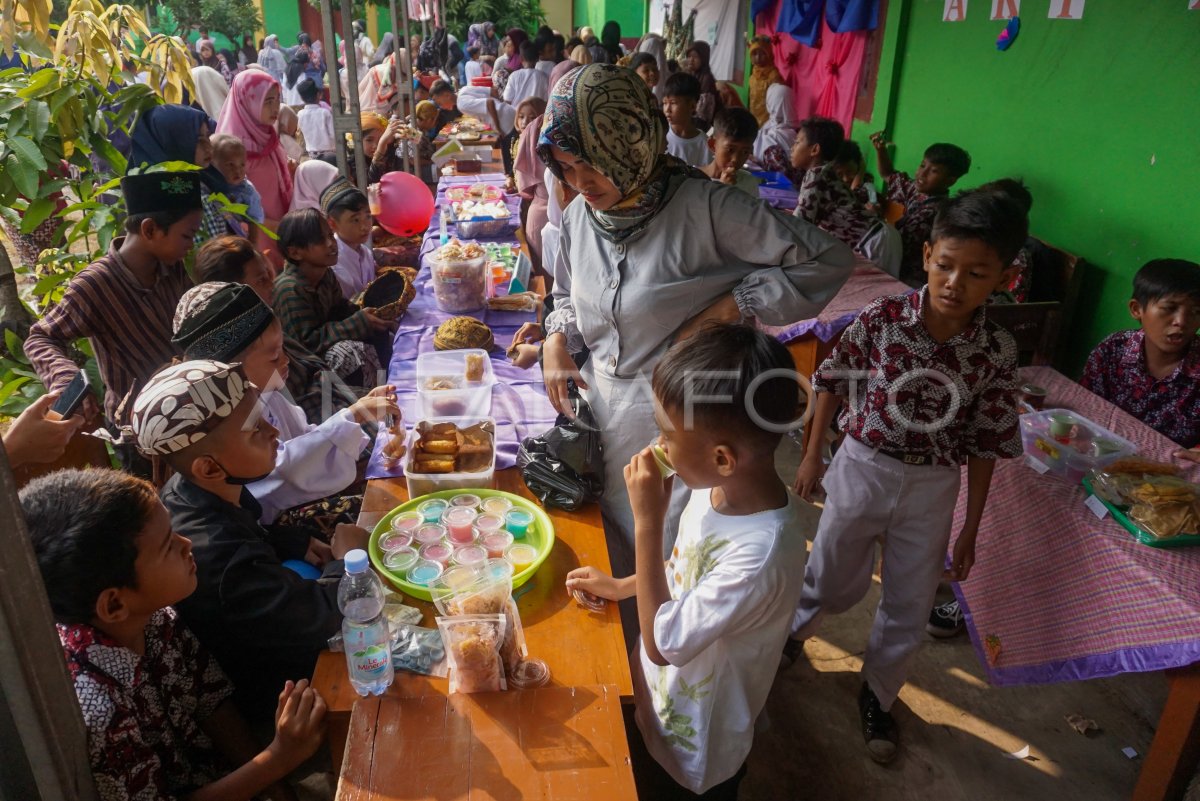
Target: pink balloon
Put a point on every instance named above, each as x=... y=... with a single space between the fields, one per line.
x=405 y=204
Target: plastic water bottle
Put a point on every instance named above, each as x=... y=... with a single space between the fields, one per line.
x=365 y=633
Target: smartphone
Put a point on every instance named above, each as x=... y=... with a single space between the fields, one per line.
x=872 y=194
x=71 y=399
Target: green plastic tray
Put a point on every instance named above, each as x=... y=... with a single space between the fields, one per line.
x=1142 y=536
x=540 y=535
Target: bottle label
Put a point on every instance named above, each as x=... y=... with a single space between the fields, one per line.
x=371 y=661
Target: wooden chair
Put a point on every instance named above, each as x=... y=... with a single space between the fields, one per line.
x=1056 y=275
x=1034 y=326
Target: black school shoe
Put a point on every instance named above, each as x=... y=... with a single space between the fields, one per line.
x=878 y=727
x=945 y=621
x=792 y=649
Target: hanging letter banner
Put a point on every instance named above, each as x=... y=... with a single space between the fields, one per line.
x=1005 y=9
x=1066 y=9
x=954 y=11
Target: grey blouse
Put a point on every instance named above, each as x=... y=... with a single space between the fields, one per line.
x=626 y=301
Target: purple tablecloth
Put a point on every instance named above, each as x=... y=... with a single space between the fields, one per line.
x=519 y=404
x=867 y=283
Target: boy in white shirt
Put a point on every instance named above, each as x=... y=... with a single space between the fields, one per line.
x=712 y=621
x=474 y=67
x=685 y=141
x=316 y=121
x=349 y=216
x=527 y=82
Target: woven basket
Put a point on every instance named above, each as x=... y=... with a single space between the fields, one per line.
x=389 y=294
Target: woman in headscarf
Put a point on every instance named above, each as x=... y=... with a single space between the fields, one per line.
x=610 y=40
x=489 y=43
x=516 y=37
x=378 y=89
x=206 y=54
x=698 y=56
x=581 y=55
x=773 y=146
x=292 y=77
x=211 y=90
x=231 y=61
x=530 y=173
x=643 y=285
x=250 y=114
x=181 y=133
x=247 y=55
x=272 y=59
x=312 y=178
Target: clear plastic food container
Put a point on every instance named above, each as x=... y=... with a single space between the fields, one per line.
x=459 y=286
x=424 y=483
x=1069 y=444
x=445 y=387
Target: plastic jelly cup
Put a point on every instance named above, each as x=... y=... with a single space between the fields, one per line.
x=518 y=521
x=422 y=572
x=467 y=500
x=460 y=524
x=439 y=552
x=497 y=543
x=529 y=674
x=662 y=460
x=520 y=556
x=429 y=533
x=496 y=506
x=488 y=524
x=499 y=569
x=407 y=522
x=431 y=511
x=1060 y=425
x=470 y=556
x=394 y=541
x=400 y=560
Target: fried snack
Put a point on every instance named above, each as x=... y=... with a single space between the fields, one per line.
x=441 y=446
x=444 y=448
x=426 y=465
x=394 y=448
x=474 y=369
x=521 y=301
x=473 y=647
x=460 y=333
x=1165 y=490
x=1136 y=465
x=1164 y=520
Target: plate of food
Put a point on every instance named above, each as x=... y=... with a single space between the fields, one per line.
x=1150 y=500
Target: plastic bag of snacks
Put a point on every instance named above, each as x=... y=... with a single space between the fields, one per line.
x=419 y=650
x=472 y=645
x=484 y=590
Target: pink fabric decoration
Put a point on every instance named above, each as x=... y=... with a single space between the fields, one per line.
x=824 y=79
x=266 y=161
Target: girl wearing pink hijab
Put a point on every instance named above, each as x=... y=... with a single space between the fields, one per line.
x=250 y=114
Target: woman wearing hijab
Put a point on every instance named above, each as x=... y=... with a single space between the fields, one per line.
x=698 y=56
x=251 y=112
x=516 y=37
x=377 y=89
x=272 y=59
x=181 y=133
x=247 y=55
x=489 y=43
x=295 y=73
x=610 y=40
x=657 y=46
x=312 y=178
x=642 y=284
x=530 y=173
x=773 y=145
x=206 y=54
x=211 y=90
x=581 y=55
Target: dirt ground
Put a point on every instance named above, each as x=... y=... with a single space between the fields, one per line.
x=956 y=731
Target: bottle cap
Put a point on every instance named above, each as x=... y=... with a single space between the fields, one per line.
x=356 y=561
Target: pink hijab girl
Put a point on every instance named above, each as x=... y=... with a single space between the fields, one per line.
x=250 y=114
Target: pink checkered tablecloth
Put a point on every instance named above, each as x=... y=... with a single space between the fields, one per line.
x=865 y=284
x=1068 y=595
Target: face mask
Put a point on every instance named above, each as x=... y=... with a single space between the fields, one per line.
x=238 y=481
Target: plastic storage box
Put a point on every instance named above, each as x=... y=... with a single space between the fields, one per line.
x=425 y=483
x=460 y=286
x=1069 y=444
x=458 y=397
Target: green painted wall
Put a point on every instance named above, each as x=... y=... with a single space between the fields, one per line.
x=282 y=18
x=1100 y=117
x=630 y=14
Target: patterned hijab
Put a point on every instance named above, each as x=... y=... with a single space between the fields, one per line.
x=606 y=116
x=184 y=403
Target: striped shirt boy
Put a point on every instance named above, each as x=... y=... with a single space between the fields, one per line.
x=318 y=316
x=128 y=324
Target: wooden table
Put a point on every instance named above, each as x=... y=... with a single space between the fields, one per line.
x=562 y=743
x=581 y=648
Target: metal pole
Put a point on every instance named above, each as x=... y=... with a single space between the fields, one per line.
x=403 y=88
x=345 y=115
x=415 y=166
x=360 y=158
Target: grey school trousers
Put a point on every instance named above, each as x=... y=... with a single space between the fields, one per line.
x=873 y=497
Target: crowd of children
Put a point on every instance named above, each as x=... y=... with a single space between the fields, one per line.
x=250 y=395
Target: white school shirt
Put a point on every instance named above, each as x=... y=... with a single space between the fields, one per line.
x=355 y=268
x=693 y=151
x=734 y=584
x=316 y=123
x=473 y=100
x=313 y=461
x=546 y=67
x=525 y=83
x=474 y=69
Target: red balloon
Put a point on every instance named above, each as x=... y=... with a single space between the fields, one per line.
x=405 y=204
